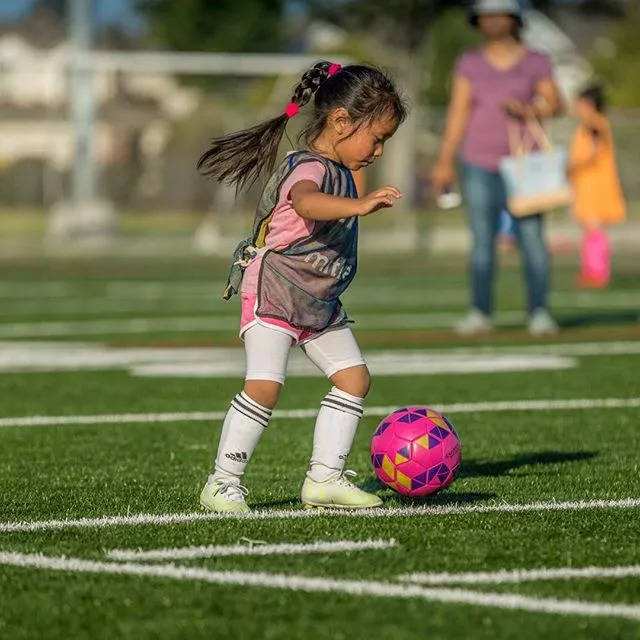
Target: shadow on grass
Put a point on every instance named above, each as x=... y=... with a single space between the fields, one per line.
x=285 y=503
x=444 y=499
x=493 y=468
x=372 y=485
x=470 y=469
x=622 y=316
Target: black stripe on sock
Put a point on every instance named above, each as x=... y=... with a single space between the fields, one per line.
x=252 y=416
x=338 y=406
x=337 y=398
x=252 y=403
x=248 y=407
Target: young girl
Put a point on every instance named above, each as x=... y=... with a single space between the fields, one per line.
x=291 y=272
x=598 y=198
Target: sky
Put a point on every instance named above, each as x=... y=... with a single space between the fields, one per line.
x=120 y=12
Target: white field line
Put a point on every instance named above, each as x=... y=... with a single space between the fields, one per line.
x=292 y=414
x=220 y=551
x=204 y=301
x=522 y=575
x=380 y=364
x=151 y=519
x=612 y=348
x=98 y=327
x=324 y=585
x=37 y=355
x=228 y=322
x=16 y=357
x=114 y=289
x=90 y=306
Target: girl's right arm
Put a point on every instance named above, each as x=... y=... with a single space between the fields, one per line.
x=310 y=203
x=600 y=136
x=444 y=173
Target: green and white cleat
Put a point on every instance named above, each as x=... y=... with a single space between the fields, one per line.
x=338 y=493
x=224 y=497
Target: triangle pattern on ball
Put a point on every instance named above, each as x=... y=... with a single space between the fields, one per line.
x=410 y=417
x=376 y=460
x=439 y=421
x=438 y=471
x=439 y=432
x=382 y=427
x=419 y=481
x=433 y=442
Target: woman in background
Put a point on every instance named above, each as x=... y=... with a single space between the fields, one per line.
x=598 y=199
x=500 y=80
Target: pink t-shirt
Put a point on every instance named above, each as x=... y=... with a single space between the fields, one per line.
x=486 y=138
x=285 y=227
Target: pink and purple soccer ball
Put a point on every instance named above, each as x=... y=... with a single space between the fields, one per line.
x=416 y=451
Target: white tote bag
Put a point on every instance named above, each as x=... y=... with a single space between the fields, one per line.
x=536 y=181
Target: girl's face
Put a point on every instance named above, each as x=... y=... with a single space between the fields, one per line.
x=496 y=25
x=584 y=109
x=358 y=146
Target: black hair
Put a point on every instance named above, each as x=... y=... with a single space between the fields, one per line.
x=594 y=93
x=516 y=30
x=366 y=93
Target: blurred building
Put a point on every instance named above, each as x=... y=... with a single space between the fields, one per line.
x=135 y=113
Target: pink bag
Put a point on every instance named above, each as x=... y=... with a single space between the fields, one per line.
x=596 y=258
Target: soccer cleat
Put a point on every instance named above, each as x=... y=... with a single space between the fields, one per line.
x=337 y=492
x=474 y=323
x=542 y=324
x=224 y=497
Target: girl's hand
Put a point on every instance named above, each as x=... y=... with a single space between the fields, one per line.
x=376 y=200
x=443 y=177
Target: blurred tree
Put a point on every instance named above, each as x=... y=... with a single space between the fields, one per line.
x=617 y=61
x=404 y=24
x=223 y=25
x=446 y=43
x=57 y=6
x=400 y=23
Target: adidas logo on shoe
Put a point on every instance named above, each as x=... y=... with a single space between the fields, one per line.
x=240 y=456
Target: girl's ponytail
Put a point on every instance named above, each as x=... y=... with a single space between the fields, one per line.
x=240 y=158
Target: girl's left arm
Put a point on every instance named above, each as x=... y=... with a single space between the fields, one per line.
x=310 y=203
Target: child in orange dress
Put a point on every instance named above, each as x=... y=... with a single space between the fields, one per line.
x=598 y=198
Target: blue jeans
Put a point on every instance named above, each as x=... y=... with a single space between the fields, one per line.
x=485 y=194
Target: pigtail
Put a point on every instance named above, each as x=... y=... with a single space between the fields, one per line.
x=240 y=158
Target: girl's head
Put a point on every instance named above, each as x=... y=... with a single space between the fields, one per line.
x=589 y=101
x=356 y=108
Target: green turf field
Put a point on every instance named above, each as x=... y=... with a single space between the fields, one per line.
x=114 y=374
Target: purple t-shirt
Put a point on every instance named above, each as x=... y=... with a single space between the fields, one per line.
x=486 y=139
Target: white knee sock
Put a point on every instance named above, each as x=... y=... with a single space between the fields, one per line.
x=335 y=430
x=243 y=425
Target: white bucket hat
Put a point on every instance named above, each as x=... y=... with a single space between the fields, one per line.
x=488 y=7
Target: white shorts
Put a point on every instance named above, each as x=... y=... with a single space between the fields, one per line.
x=267 y=352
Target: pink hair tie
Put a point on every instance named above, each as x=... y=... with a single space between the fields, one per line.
x=292 y=109
x=334 y=68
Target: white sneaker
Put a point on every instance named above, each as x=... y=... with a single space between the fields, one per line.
x=542 y=324
x=224 y=496
x=474 y=323
x=337 y=492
